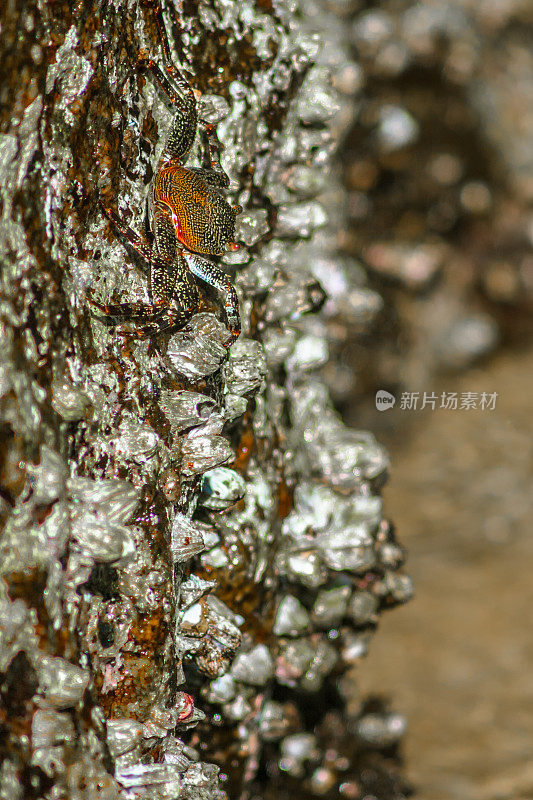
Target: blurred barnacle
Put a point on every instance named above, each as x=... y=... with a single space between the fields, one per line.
x=297 y=220
x=363 y=607
x=292 y=618
x=246 y=367
x=254 y=667
x=101 y=538
x=251 y=226
x=123 y=735
x=296 y=750
x=380 y=729
x=330 y=606
x=70 y=402
x=61 y=683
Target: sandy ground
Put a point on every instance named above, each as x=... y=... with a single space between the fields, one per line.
x=458 y=658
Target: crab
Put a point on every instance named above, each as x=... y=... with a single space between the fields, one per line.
x=188 y=218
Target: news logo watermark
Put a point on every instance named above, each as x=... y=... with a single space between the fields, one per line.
x=384 y=400
x=447 y=401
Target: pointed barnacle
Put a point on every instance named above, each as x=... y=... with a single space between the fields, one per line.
x=234 y=406
x=223 y=629
x=137 y=440
x=293 y=660
x=297 y=220
x=318 y=101
x=322 y=664
x=310 y=352
x=192 y=589
x=185 y=409
x=222 y=690
x=49 y=728
x=201 y=781
x=203 y=452
x=301 y=297
x=274 y=721
x=186 y=538
x=251 y=226
x=178 y=753
x=301 y=565
x=305 y=181
x=354 y=646
x=350 y=548
x=296 y=750
x=363 y=607
x=279 y=344
x=213 y=108
x=198 y=350
x=239 y=708
x=257 y=277
x=400 y=587
x=330 y=606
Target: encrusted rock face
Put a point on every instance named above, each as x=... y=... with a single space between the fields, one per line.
x=193 y=550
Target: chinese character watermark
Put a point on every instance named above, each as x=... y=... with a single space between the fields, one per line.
x=447 y=401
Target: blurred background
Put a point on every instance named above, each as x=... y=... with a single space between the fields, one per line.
x=438 y=167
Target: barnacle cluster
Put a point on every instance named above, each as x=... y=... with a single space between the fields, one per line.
x=439 y=172
x=194 y=551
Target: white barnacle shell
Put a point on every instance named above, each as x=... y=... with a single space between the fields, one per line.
x=222 y=488
x=185 y=409
x=186 y=538
x=116 y=499
x=48 y=478
x=123 y=735
x=198 y=350
x=254 y=667
x=200 y=453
